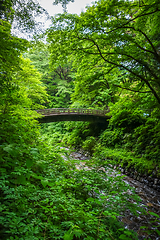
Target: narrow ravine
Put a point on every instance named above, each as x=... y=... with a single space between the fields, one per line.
x=147 y=226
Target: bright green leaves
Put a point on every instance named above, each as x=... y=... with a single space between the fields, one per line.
x=46 y=196
x=44 y=182
x=58 y=79
x=20 y=82
x=30 y=86
x=73 y=231
x=65 y=201
x=20 y=90
x=111 y=33
x=11 y=48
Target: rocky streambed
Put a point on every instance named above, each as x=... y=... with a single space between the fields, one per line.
x=147 y=226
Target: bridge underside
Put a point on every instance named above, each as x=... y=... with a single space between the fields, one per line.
x=73 y=117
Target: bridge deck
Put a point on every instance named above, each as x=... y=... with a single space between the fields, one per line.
x=59 y=111
x=73 y=114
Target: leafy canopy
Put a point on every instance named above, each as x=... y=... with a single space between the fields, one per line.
x=58 y=80
x=122 y=38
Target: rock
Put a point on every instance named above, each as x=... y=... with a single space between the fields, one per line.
x=150 y=184
x=154 y=186
x=131 y=175
x=155 y=181
x=150 y=179
x=135 y=173
x=110 y=165
x=145 y=181
x=154 y=174
x=158 y=188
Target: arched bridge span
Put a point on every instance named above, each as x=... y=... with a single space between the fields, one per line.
x=72 y=114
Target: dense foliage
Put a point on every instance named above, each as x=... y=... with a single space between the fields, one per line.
x=59 y=82
x=107 y=56
x=114 y=51
x=112 y=41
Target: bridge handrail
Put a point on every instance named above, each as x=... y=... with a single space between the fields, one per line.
x=59 y=111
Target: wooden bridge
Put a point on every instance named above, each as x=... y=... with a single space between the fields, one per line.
x=72 y=114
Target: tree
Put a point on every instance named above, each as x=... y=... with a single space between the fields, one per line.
x=11 y=48
x=92 y=86
x=20 y=89
x=22 y=14
x=58 y=80
x=18 y=79
x=63 y=2
x=121 y=36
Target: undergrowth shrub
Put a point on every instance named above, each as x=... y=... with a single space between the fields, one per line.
x=124 y=120
x=112 y=138
x=46 y=195
x=43 y=195
x=131 y=129
x=126 y=116
x=76 y=133
x=89 y=144
x=146 y=139
x=62 y=202
x=53 y=132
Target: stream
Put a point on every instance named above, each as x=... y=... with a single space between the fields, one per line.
x=150 y=202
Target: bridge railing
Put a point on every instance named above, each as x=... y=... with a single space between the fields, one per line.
x=81 y=111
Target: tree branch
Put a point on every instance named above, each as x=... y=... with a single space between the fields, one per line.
x=132 y=20
x=129 y=70
x=130 y=89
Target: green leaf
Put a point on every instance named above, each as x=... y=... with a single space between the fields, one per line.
x=90 y=199
x=123 y=237
x=158 y=231
x=103 y=197
x=29 y=163
x=34 y=175
x=44 y=182
x=51 y=184
x=2 y=170
x=28 y=175
x=143 y=227
x=154 y=214
x=68 y=237
x=21 y=180
x=78 y=232
x=11 y=238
